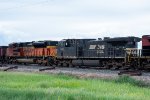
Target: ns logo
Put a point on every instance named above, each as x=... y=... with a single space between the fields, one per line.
x=97 y=47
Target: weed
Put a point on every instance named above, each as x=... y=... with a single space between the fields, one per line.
x=128 y=79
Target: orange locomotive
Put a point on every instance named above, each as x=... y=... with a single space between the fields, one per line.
x=40 y=52
x=14 y=51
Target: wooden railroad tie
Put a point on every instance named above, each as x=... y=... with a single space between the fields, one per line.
x=48 y=68
x=14 y=67
x=2 y=65
x=131 y=73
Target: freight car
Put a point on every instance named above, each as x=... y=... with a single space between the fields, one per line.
x=108 y=52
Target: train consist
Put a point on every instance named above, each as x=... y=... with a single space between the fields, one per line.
x=118 y=52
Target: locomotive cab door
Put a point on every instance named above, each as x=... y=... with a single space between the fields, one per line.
x=79 y=51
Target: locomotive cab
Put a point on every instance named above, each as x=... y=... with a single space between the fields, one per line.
x=71 y=48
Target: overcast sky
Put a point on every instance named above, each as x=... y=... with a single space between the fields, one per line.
x=27 y=20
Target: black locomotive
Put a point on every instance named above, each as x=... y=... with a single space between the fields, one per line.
x=107 y=52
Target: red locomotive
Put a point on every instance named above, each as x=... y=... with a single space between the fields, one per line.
x=140 y=58
x=146 y=45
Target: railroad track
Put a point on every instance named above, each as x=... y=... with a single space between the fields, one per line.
x=76 y=71
x=32 y=67
x=124 y=71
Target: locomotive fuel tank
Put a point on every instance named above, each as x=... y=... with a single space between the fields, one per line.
x=85 y=62
x=31 y=61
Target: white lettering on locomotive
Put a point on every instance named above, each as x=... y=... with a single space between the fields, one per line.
x=92 y=47
x=101 y=46
x=97 y=47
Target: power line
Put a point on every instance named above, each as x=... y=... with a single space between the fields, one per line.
x=27 y=5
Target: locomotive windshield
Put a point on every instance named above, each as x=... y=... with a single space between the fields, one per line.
x=51 y=43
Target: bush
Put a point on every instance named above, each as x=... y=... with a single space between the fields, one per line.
x=43 y=85
x=130 y=80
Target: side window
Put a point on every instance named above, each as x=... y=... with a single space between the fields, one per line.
x=54 y=43
x=67 y=43
x=61 y=44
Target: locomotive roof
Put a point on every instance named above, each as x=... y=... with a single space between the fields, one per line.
x=79 y=39
x=136 y=39
x=45 y=41
x=19 y=42
x=3 y=46
x=146 y=36
x=108 y=39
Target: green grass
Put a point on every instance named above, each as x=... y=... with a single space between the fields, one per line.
x=33 y=86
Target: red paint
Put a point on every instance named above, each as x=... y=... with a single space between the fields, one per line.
x=146 y=40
